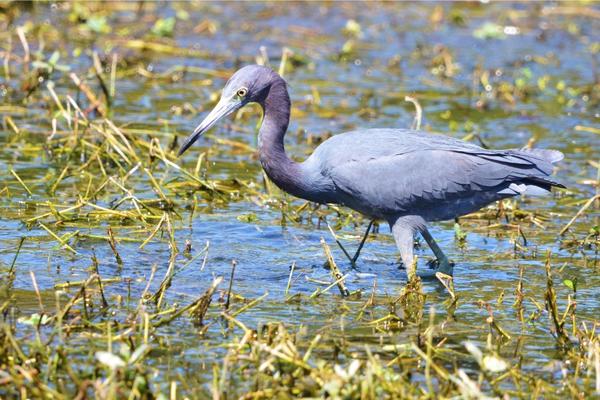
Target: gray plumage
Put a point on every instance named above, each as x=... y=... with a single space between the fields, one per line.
x=404 y=177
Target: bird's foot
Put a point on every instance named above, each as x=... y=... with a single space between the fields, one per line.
x=443 y=272
x=446 y=267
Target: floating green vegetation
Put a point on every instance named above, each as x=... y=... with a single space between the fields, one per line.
x=86 y=343
x=126 y=272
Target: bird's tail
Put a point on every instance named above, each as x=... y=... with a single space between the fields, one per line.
x=551 y=156
x=537 y=184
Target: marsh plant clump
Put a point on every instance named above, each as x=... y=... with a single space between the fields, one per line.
x=126 y=272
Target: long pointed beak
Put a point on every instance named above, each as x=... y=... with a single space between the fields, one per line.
x=223 y=108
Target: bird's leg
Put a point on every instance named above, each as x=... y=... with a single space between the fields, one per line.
x=444 y=264
x=362 y=242
x=404 y=235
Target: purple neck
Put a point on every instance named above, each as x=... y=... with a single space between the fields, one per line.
x=284 y=172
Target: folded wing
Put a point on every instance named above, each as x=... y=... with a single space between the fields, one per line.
x=397 y=172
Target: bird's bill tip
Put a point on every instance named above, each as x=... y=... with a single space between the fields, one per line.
x=187 y=144
x=222 y=109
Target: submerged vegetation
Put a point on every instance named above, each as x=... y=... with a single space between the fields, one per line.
x=128 y=273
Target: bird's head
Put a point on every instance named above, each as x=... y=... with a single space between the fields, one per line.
x=249 y=84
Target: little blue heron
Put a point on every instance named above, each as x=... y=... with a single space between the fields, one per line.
x=404 y=177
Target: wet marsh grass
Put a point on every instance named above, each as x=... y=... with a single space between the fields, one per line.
x=99 y=192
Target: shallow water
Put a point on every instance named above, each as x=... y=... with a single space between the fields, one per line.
x=397 y=53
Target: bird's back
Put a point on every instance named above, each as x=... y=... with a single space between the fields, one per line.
x=391 y=172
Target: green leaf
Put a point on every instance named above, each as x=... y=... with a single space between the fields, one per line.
x=54 y=58
x=139 y=353
x=571 y=284
x=353 y=28
x=250 y=217
x=164 y=26
x=34 y=319
x=98 y=24
x=461 y=236
x=41 y=65
x=526 y=72
x=489 y=30
x=183 y=15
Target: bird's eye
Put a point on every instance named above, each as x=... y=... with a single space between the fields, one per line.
x=242 y=92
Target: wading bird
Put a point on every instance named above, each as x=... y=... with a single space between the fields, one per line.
x=404 y=177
